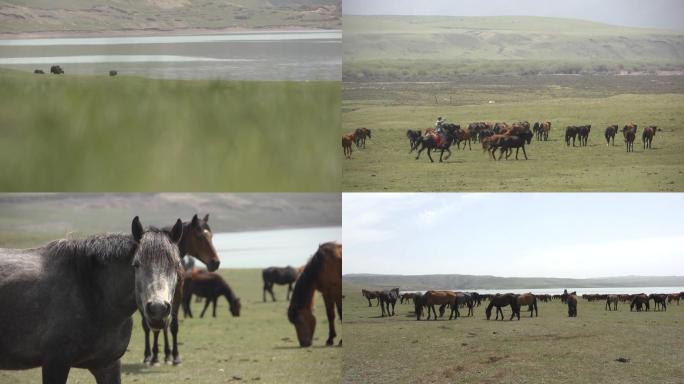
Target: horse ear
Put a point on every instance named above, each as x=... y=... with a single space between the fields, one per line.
x=195 y=221
x=177 y=231
x=137 y=229
x=206 y=218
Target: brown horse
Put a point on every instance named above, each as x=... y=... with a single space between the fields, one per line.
x=462 y=136
x=196 y=241
x=572 y=304
x=629 y=131
x=432 y=298
x=611 y=299
x=210 y=286
x=370 y=295
x=673 y=297
x=322 y=273
x=545 y=128
x=531 y=301
x=610 y=134
x=648 y=134
x=406 y=296
x=500 y=301
x=347 y=141
x=639 y=301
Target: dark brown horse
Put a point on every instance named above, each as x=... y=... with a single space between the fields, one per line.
x=673 y=297
x=659 y=301
x=610 y=134
x=611 y=299
x=437 y=142
x=639 y=301
x=370 y=295
x=347 y=141
x=70 y=303
x=360 y=135
x=502 y=300
x=413 y=137
x=322 y=273
x=196 y=241
x=210 y=286
x=648 y=135
x=388 y=297
x=572 y=304
x=583 y=133
x=570 y=133
x=629 y=131
x=278 y=275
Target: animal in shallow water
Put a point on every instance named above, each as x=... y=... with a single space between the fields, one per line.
x=197 y=241
x=281 y=276
x=210 y=286
x=83 y=294
x=572 y=304
x=322 y=273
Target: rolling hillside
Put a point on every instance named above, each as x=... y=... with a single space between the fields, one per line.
x=150 y=16
x=422 y=282
x=410 y=48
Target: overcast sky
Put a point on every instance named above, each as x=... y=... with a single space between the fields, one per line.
x=636 y=13
x=526 y=235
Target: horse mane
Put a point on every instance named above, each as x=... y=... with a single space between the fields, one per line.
x=302 y=295
x=93 y=251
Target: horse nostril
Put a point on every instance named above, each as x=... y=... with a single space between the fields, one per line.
x=158 y=309
x=167 y=308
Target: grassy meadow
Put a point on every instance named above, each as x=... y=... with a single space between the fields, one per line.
x=259 y=346
x=551 y=348
x=402 y=73
x=85 y=133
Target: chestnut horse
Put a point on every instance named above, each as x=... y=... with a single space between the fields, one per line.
x=647 y=135
x=347 y=141
x=210 y=286
x=531 y=301
x=629 y=131
x=322 y=273
x=196 y=241
x=430 y=298
x=406 y=296
x=673 y=297
x=572 y=304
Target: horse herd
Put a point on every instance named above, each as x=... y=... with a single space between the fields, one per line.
x=453 y=300
x=70 y=303
x=57 y=70
x=501 y=135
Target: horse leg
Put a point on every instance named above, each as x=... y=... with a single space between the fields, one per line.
x=429 y=155
x=155 y=349
x=449 y=155
x=419 y=151
x=524 y=153
x=330 y=312
x=110 y=374
x=289 y=290
x=270 y=290
x=174 y=338
x=167 y=350
x=55 y=372
x=369 y=303
x=213 y=306
x=206 y=305
x=148 y=355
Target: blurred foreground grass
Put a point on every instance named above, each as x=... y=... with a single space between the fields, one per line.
x=74 y=133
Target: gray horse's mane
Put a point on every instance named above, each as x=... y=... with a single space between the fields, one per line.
x=96 y=250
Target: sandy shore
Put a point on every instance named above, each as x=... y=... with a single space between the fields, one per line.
x=152 y=32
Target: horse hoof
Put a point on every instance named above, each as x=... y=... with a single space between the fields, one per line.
x=329 y=343
x=147 y=360
x=340 y=343
x=154 y=364
x=167 y=360
x=177 y=361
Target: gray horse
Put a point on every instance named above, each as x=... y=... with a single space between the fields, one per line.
x=70 y=303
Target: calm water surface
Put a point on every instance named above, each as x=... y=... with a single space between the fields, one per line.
x=307 y=55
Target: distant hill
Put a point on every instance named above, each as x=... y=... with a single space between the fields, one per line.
x=150 y=16
x=423 y=282
x=424 y=48
x=28 y=219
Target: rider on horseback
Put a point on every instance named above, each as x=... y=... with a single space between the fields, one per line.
x=439 y=130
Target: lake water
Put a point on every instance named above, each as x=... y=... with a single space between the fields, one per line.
x=582 y=291
x=298 y=56
x=281 y=247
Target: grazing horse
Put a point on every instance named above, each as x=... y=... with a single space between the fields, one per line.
x=530 y=301
x=610 y=134
x=673 y=297
x=56 y=70
x=611 y=299
x=347 y=141
x=572 y=304
x=570 y=133
x=502 y=300
x=583 y=133
x=638 y=301
x=433 y=141
x=38 y=71
x=360 y=135
x=196 y=241
x=413 y=137
x=659 y=301
x=387 y=298
x=281 y=276
x=322 y=273
x=70 y=303
x=370 y=295
x=113 y=73
x=406 y=296
x=432 y=298
x=210 y=286
x=648 y=135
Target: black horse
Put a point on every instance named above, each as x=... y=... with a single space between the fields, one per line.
x=502 y=300
x=281 y=276
x=639 y=301
x=56 y=70
x=506 y=144
x=583 y=133
x=414 y=137
x=659 y=301
x=438 y=142
x=570 y=133
x=70 y=303
x=387 y=298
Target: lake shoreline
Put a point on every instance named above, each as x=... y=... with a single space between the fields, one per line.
x=156 y=32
